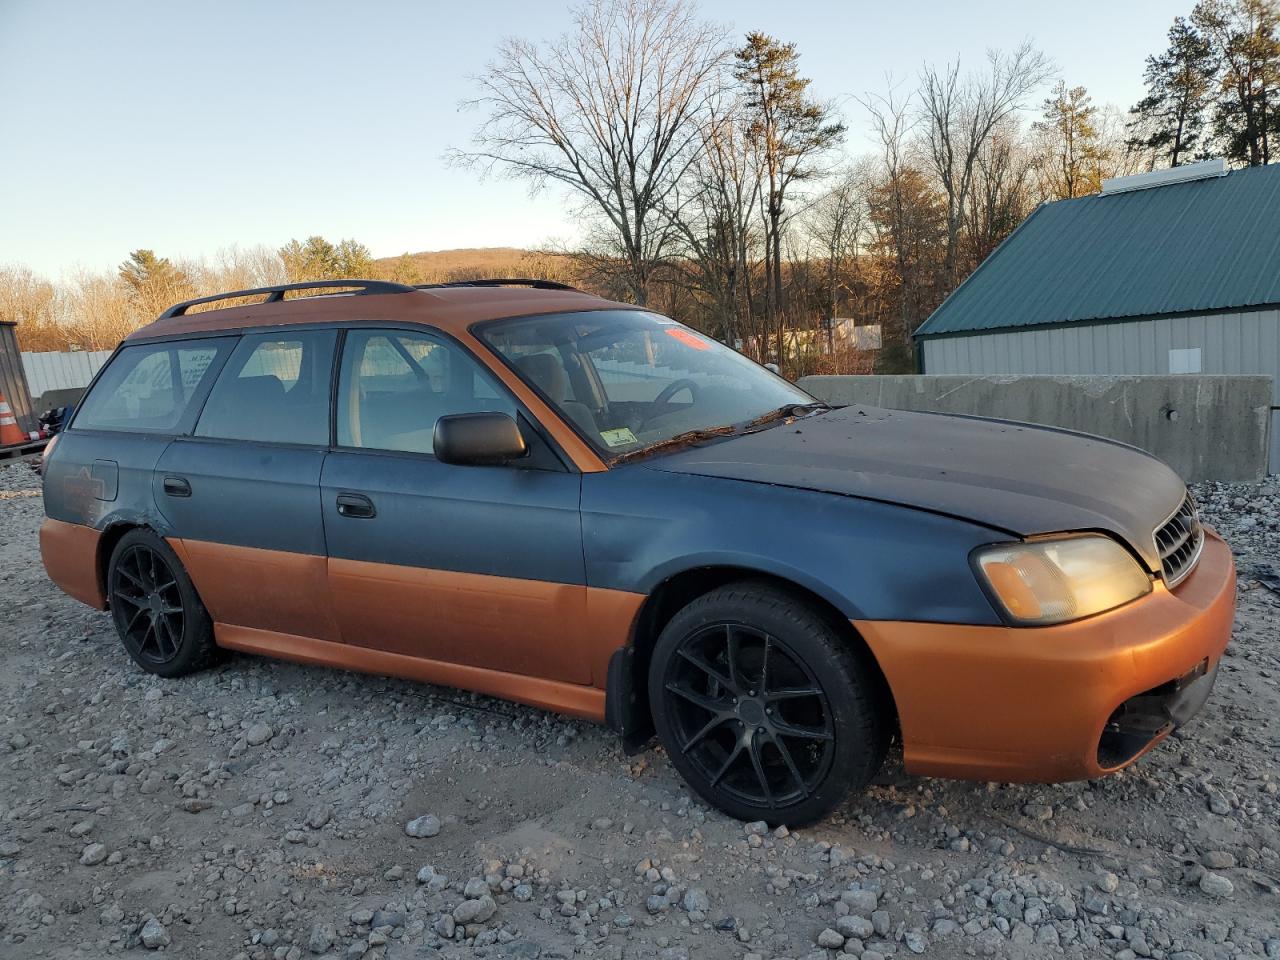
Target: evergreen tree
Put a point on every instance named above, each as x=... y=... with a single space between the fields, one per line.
x=353 y=259
x=1245 y=35
x=1070 y=143
x=791 y=131
x=154 y=282
x=318 y=259
x=1170 y=120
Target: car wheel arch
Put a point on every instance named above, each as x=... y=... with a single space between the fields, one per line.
x=112 y=533
x=627 y=709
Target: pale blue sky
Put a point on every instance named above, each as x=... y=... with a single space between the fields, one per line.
x=187 y=126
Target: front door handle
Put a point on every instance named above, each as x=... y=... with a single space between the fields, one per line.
x=356 y=506
x=177 y=486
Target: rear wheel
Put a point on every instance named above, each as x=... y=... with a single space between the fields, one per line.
x=157 y=613
x=765 y=707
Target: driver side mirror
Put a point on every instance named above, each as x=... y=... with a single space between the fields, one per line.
x=478 y=439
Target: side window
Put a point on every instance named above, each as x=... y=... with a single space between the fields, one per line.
x=148 y=387
x=394 y=386
x=275 y=389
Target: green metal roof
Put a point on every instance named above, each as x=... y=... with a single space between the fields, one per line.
x=1193 y=247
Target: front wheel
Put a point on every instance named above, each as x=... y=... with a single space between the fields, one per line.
x=157 y=612
x=765 y=707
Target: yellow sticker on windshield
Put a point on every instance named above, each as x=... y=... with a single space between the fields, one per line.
x=618 y=438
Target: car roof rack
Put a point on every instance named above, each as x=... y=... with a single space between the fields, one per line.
x=276 y=292
x=502 y=282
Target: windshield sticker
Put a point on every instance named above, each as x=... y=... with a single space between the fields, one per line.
x=687 y=337
x=618 y=438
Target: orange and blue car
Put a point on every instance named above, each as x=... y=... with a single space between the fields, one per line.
x=517 y=488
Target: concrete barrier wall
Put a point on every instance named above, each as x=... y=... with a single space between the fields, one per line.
x=1205 y=427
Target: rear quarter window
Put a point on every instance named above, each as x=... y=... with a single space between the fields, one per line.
x=149 y=387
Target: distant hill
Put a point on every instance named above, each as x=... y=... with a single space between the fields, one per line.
x=439 y=266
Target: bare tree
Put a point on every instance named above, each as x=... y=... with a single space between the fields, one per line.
x=104 y=311
x=836 y=222
x=35 y=305
x=613 y=110
x=1002 y=195
x=960 y=114
x=235 y=268
x=892 y=123
x=714 y=220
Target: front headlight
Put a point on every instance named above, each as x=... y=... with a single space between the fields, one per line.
x=1052 y=581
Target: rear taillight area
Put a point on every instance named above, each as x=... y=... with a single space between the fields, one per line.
x=48 y=449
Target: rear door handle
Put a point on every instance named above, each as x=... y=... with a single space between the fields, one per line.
x=177 y=486
x=356 y=506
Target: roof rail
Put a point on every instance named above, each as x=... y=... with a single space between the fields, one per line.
x=276 y=293
x=502 y=282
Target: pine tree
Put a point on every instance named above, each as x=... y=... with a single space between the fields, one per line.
x=791 y=130
x=1069 y=131
x=1245 y=35
x=353 y=259
x=1170 y=120
x=154 y=282
x=318 y=259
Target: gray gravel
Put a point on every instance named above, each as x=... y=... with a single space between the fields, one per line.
x=268 y=810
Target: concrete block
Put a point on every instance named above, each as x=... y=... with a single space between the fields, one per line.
x=1205 y=427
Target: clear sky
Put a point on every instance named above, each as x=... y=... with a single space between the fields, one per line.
x=190 y=125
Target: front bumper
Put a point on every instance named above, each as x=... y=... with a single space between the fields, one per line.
x=1067 y=702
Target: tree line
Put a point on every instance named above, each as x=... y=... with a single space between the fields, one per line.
x=92 y=310
x=716 y=185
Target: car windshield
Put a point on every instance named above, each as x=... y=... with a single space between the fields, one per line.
x=629 y=380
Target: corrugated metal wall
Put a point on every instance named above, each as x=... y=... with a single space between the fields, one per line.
x=1228 y=343
x=13 y=383
x=59 y=371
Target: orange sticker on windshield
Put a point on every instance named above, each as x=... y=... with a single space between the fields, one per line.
x=688 y=338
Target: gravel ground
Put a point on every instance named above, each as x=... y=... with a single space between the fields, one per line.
x=268 y=810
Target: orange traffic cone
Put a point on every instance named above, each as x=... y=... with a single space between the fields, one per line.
x=10 y=432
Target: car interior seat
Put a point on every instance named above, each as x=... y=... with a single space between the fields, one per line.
x=547 y=373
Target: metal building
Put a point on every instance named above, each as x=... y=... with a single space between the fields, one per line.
x=1176 y=271
x=13 y=382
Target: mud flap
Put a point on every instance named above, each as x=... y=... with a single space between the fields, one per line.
x=625 y=711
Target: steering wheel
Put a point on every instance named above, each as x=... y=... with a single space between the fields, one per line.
x=663 y=399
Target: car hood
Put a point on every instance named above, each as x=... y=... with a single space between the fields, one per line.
x=1015 y=477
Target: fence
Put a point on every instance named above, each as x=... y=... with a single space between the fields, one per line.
x=61 y=371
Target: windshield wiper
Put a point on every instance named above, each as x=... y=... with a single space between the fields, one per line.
x=688 y=438
x=788 y=411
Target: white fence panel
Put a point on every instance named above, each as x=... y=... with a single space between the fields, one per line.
x=60 y=371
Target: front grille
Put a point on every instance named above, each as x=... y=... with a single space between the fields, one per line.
x=1179 y=541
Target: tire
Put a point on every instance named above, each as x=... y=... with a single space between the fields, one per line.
x=157 y=613
x=784 y=730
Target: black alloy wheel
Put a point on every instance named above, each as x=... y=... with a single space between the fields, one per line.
x=750 y=715
x=157 y=613
x=147 y=605
x=766 y=706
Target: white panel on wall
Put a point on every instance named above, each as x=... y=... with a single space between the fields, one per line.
x=1184 y=360
x=61 y=371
